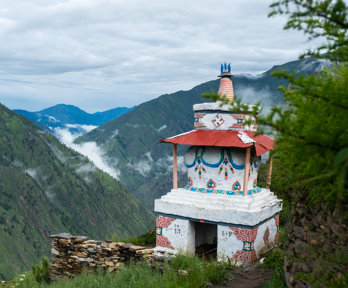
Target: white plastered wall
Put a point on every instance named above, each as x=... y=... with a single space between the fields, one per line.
x=228 y=244
x=181 y=236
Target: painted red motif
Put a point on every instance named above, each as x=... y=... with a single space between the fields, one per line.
x=266 y=236
x=163 y=241
x=245 y=234
x=276 y=238
x=244 y=256
x=237 y=125
x=276 y=218
x=218 y=120
x=199 y=115
x=238 y=116
x=248 y=235
x=164 y=222
x=198 y=125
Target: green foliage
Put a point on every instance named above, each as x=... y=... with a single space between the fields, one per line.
x=41 y=272
x=319 y=19
x=181 y=272
x=148 y=238
x=199 y=269
x=312 y=134
x=274 y=260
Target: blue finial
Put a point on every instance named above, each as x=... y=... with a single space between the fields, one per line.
x=222 y=68
x=225 y=66
x=229 y=68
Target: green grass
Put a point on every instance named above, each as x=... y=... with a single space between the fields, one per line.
x=146 y=239
x=275 y=261
x=178 y=272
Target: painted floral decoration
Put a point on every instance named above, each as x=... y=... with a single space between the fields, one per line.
x=254 y=183
x=211 y=183
x=236 y=186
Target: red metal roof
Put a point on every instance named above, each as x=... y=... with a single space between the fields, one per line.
x=222 y=138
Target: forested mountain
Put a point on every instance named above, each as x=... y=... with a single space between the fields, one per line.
x=46 y=188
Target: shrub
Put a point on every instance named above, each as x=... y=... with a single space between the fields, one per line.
x=41 y=272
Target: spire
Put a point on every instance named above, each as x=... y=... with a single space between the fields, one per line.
x=226 y=86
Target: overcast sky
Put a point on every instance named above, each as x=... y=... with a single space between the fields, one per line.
x=101 y=54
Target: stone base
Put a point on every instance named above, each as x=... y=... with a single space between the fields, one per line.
x=240 y=227
x=234 y=243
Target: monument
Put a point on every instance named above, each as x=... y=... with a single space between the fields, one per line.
x=221 y=208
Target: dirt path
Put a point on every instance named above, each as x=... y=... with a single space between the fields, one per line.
x=254 y=276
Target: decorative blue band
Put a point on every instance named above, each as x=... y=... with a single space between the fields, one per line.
x=219 y=191
x=200 y=157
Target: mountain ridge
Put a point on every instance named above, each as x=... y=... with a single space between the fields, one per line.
x=64 y=116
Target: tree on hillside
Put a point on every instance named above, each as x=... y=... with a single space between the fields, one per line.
x=323 y=19
x=311 y=153
x=313 y=132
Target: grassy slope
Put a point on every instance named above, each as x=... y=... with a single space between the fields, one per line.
x=47 y=188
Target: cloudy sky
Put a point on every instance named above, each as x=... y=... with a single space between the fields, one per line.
x=101 y=54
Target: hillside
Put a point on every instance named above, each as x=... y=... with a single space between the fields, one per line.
x=130 y=142
x=46 y=188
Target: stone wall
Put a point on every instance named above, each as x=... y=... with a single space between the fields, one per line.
x=317 y=249
x=72 y=254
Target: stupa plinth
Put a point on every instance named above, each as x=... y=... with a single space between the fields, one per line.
x=221 y=208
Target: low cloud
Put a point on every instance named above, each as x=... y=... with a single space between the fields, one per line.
x=265 y=97
x=162 y=165
x=166 y=163
x=88 y=149
x=95 y=154
x=85 y=128
x=143 y=166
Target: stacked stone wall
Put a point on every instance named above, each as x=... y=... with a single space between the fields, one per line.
x=73 y=254
x=317 y=249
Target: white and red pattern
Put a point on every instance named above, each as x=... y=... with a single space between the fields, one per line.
x=245 y=234
x=248 y=235
x=164 y=222
x=163 y=241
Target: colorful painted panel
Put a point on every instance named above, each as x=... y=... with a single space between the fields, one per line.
x=224 y=192
x=248 y=237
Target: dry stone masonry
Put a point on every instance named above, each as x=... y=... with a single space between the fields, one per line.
x=72 y=254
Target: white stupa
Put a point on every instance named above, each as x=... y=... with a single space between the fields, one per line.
x=221 y=208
